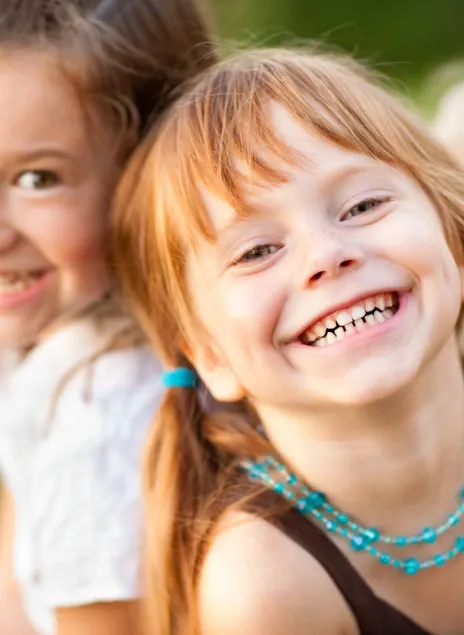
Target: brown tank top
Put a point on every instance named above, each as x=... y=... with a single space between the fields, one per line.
x=373 y=615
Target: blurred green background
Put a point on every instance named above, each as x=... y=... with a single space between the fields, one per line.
x=418 y=42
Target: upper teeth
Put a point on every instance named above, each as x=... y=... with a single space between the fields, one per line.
x=16 y=281
x=370 y=311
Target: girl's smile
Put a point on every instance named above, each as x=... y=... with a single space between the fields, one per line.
x=352 y=318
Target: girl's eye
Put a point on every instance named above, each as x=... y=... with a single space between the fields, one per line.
x=257 y=253
x=368 y=205
x=37 y=180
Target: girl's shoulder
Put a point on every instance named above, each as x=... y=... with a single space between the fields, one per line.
x=112 y=390
x=76 y=375
x=257 y=581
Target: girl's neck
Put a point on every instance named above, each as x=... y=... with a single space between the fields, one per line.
x=390 y=461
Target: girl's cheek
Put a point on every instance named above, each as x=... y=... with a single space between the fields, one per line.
x=254 y=308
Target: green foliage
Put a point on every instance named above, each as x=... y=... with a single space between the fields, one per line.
x=406 y=38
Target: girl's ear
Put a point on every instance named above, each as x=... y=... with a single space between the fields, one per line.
x=215 y=372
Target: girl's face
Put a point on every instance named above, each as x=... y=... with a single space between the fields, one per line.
x=337 y=291
x=56 y=177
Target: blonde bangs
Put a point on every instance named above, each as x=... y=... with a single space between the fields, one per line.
x=220 y=133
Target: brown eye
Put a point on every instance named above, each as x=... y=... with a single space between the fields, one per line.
x=37 y=180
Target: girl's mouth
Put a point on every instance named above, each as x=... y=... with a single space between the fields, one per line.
x=18 y=281
x=354 y=319
x=20 y=287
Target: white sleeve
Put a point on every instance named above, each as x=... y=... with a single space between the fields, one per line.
x=86 y=499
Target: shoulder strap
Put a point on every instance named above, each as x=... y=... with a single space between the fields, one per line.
x=373 y=615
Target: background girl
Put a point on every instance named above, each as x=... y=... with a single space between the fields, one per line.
x=78 y=83
x=296 y=235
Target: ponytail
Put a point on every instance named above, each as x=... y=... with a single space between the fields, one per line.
x=189 y=460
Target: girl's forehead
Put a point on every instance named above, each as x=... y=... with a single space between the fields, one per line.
x=318 y=156
x=26 y=88
x=40 y=109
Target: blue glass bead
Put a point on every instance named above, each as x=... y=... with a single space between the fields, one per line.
x=358 y=543
x=344 y=532
x=316 y=499
x=401 y=541
x=460 y=544
x=342 y=519
x=439 y=560
x=429 y=535
x=301 y=505
x=453 y=520
x=397 y=564
x=411 y=566
x=292 y=480
x=461 y=494
x=290 y=496
x=330 y=525
x=279 y=488
x=371 y=534
x=355 y=527
x=385 y=558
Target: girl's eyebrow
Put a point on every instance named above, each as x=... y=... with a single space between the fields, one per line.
x=44 y=152
x=235 y=223
x=337 y=175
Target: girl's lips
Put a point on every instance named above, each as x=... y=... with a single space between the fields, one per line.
x=22 y=292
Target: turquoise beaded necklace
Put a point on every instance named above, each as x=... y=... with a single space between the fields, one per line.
x=366 y=539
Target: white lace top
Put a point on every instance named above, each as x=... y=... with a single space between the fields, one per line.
x=75 y=477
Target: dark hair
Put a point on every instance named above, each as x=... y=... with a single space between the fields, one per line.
x=126 y=54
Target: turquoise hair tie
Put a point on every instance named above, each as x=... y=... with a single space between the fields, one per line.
x=180 y=378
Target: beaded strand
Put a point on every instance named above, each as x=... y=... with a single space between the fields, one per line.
x=314 y=504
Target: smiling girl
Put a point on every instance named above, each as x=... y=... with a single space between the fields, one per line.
x=78 y=386
x=292 y=239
